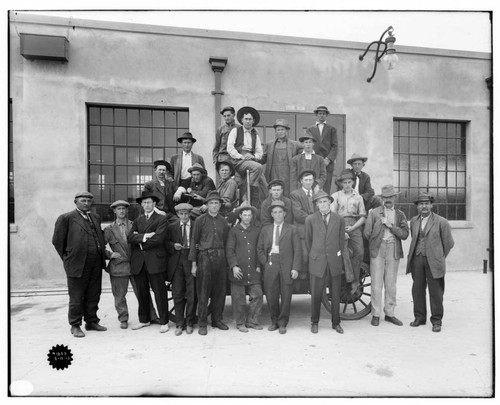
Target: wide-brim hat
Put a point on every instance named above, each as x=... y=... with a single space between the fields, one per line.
x=224 y=162
x=277 y=203
x=355 y=157
x=248 y=110
x=423 y=197
x=281 y=123
x=388 y=191
x=162 y=162
x=183 y=207
x=345 y=174
x=321 y=194
x=186 y=135
x=146 y=194
x=321 y=108
x=85 y=194
x=213 y=195
x=306 y=172
x=247 y=207
x=120 y=203
x=307 y=136
x=228 y=108
x=276 y=182
x=197 y=168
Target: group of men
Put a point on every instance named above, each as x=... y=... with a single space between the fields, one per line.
x=197 y=236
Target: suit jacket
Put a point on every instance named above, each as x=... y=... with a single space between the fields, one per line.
x=300 y=209
x=293 y=148
x=117 y=243
x=326 y=144
x=72 y=234
x=176 y=163
x=325 y=244
x=265 y=215
x=438 y=243
x=165 y=194
x=299 y=164
x=290 y=249
x=152 y=252
x=365 y=187
x=174 y=235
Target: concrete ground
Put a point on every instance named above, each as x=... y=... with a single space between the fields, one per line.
x=365 y=361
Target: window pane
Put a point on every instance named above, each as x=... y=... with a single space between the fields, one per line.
x=422 y=145
x=94 y=134
x=452 y=163
x=120 y=136
x=107 y=173
x=157 y=154
x=442 y=163
x=121 y=174
x=158 y=118
x=133 y=174
x=94 y=116
x=396 y=144
x=94 y=154
x=414 y=162
x=134 y=191
x=107 y=135
x=461 y=179
x=120 y=116
x=121 y=155
x=452 y=146
x=158 y=137
x=442 y=145
x=403 y=128
x=413 y=145
x=170 y=119
x=423 y=179
x=94 y=174
x=441 y=179
x=133 y=118
x=146 y=155
x=403 y=145
x=404 y=162
x=413 y=131
x=106 y=116
x=107 y=154
x=422 y=162
x=433 y=129
x=183 y=119
x=433 y=179
x=133 y=136
x=146 y=137
x=145 y=118
x=452 y=179
x=403 y=179
x=171 y=137
x=96 y=192
x=121 y=193
x=133 y=155
x=433 y=145
x=461 y=163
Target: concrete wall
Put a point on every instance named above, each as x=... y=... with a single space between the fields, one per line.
x=141 y=65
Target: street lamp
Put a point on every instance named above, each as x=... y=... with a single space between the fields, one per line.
x=387 y=55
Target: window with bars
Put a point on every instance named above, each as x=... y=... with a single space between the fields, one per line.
x=430 y=156
x=123 y=143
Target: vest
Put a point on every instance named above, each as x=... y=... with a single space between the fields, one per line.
x=238 y=143
x=93 y=246
x=420 y=250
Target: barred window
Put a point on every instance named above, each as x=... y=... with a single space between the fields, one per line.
x=431 y=156
x=123 y=143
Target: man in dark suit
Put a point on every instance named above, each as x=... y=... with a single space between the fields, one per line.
x=79 y=242
x=276 y=188
x=149 y=261
x=280 y=256
x=179 y=270
x=431 y=241
x=324 y=236
x=163 y=187
x=362 y=181
x=184 y=160
x=308 y=159
x=326 y=145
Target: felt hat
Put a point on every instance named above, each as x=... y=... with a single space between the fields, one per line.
x=146 y=194
x=356 y=156
x=307 y=136
x=120 y=203
x=276 y=182
x=85 y=194
x=345 y=174
x=281 y=123
x=183 y=207
x=321 y=194
x=186 y=135
x=240 y=209
x=213 y=195
x=423 y=196
x=277 y=203
x=197 y=168
x=321 y=108
x=248 y=110
x=388 y=191
x=224 y=162
x=162 y=162
x=229 y=108
x=307 y=172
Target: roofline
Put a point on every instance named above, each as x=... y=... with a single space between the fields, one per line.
x=230 y=35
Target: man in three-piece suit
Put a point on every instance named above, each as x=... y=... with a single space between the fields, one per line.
x=79 y=242
x=280 y=255
x=308 y=159
x=324 y=237
x=149 y=261
x=362 y=181
x=326 y=145
x=431 y=241
x=179 y=269
x=163 y=188
x=184 y=160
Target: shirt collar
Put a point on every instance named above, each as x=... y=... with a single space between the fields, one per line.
x=305 y=153
x=83 y=213
x=307 y=191
x=353 y=191
x=320 y=123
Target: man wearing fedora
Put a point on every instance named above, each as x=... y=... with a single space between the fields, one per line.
x=280 y=256
x=245 y=148
x=227 y=188
x=276 y=188
x=431 y=241
x=148 y=261
x=178 y=242
x=278 y=156
x=308 y=160
x=362 y=182
x=163 y=187
x=219 y=152
x=326 y=143
x=198 y=188
x=208 y=262
x=79 y=241
x=244 y=270
x=324 y=237
x=349 y=205
x=385 y=228
x=184 y=160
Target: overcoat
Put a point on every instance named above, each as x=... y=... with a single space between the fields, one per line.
x=326 y=144
x=112 y=235
x=293 y=148
x=165 y=194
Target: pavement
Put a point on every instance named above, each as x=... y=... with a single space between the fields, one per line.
x=366 y=361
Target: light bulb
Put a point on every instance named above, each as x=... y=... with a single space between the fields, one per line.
x=390 y=60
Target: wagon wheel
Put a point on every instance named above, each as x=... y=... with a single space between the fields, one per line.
x=353 y=306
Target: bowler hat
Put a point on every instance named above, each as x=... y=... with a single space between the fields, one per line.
x=307 y=172
x=281 y=123
x=248 y=110
x=240 y=209
x=277 y=203
x=197 y=168
x=85 y=194
x=321 y=108
x=183 y=207
x=276 y=182
x=226 y=109
x=345 y=174
x=388 y=191
x=186 y=135
x=423 y=196
x=213 y=195
x=162 y=163
x=224 y=162
x=120 y=203
x=307 y=136
x=356 y=156
x=321 y=194
x=146 y=194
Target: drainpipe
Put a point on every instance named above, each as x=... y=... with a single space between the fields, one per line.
x=218 y=65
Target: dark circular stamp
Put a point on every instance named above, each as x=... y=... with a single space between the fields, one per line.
x=60 y=357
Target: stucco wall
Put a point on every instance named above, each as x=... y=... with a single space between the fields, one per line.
x=169 y=67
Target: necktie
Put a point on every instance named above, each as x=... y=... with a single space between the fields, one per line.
x=90 y=220
x=123 y=232
x=184 y=236
x=325 y=219
x=309 y=200
x=276 y=235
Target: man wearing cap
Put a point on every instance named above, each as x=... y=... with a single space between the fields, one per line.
x=280 y=256
x=163 y=187
x=324 y=237
x=244 y=270
x=179 y=269
x=209 y=262
x=198 y=188
x=276 y=188
x=308 y=160
x=431 y=241
x=278 y=156
x=184 y=160
x=326 y=143
x=362 y=182
x=219 y=152
x=148 y=261
x=227 y=188
x=349 y=205
x=385 y=228
x=245 y=148
x=79 y=241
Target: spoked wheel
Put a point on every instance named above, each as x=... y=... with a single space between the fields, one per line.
x=353 y=306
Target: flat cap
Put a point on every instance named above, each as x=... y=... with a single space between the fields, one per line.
x=85 y=194
x=183 y=207
x=119 y=203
